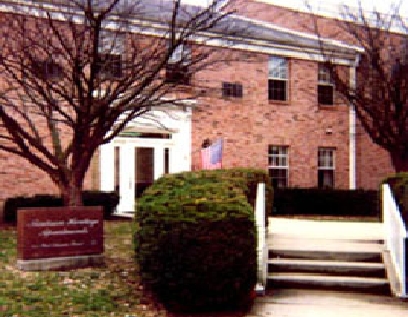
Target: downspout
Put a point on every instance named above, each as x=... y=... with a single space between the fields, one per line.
x=352 y=129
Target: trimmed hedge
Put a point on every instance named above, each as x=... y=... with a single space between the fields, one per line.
x=245 y=178
x=399 y=187
x=326 y=202
x=108 y=200
x=196 y=241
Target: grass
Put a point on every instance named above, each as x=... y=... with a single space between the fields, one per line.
x=109 y=290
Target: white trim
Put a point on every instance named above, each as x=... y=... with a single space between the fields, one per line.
x=178 y=123
x=308 y=52
x=300 y=34
x=352 y=134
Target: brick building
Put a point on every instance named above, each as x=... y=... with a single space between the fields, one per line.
x=275 y=108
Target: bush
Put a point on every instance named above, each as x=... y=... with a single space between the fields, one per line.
x=196 y=242
x=245 y=178
x=108 y=200
x=327 y=202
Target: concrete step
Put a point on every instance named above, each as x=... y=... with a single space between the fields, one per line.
x=283 y=242
x=367 y=269
x=324 y=281
x=327 y=254
x=342 y=239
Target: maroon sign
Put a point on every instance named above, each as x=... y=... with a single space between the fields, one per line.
x=59 y=232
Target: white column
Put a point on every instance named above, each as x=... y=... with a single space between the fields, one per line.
x=180 y=155
x=158 y=161
x=352 y=132
x=127 y=178
x=107 y=167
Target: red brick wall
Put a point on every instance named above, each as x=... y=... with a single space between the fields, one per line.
x=250 y=124
x=373 y=163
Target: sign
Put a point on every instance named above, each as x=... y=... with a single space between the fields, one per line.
x=59 y=232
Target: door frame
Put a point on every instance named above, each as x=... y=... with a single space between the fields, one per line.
x=127 y=166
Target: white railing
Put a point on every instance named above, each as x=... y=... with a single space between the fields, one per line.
x=395 y=239
x=262 y=250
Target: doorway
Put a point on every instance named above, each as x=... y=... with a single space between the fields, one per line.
x=131 y=166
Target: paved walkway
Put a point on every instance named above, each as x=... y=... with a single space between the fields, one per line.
x=316 y=303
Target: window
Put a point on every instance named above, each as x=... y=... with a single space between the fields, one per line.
x=110 y=65
x=231 y=90
x=278 y=158
x=111 y=48
x=325 y=87
x=47 y=69
x=325 y=167
x=278 y=78
x=177 y=69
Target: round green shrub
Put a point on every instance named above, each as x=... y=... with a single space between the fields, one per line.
x=196 y=242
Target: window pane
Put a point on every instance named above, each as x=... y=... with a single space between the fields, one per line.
x=324 y=75
x=278 y=67
x=273 y=149
x=178 y=74
x=277 y=89
x=166 y=160
x=325 y=158
x=116 y=169
x=325 y=179
x=110 y=65
x=231 y=90
x=325 y=94
x=279 y=177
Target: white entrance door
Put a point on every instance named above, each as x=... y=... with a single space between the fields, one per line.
x=131 y=165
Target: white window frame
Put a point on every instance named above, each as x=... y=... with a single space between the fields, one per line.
x=278 y=70
x=326 y=161
x=324 y=78
x=278 y=160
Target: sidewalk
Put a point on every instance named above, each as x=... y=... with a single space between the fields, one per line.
x=323 y=303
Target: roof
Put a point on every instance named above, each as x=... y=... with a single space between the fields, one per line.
x=233 y=27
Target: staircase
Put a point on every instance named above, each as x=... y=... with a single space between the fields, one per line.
x=326 y=255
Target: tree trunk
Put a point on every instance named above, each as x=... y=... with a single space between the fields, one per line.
x=400 y=161
x=71 y=194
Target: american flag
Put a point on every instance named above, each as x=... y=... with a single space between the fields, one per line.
x=211 y=157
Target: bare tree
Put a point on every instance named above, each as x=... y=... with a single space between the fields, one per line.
x=74 y=73
x=380 y=96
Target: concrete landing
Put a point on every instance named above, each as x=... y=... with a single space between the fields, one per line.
x=325 y=229
x=317 y=303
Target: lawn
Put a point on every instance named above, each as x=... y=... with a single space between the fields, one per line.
x=110 y=290
x=113 y=289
